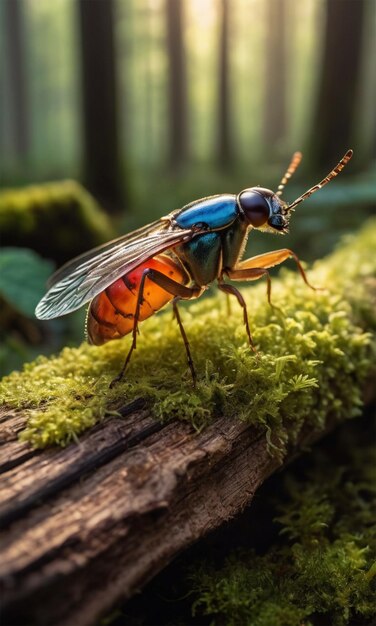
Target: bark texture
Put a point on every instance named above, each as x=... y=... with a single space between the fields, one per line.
x=85 y=527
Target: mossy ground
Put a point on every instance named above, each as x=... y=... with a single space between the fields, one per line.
x=313 y=360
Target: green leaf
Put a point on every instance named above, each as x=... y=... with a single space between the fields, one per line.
x=23 y=276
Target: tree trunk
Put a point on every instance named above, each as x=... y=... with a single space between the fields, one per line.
x=332 y=128
x=275 y=122
x=17 y=76
x=177 y=84
x=99 y=97
x=224 y=131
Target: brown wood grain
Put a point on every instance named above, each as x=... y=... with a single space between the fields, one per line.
x=86 y=526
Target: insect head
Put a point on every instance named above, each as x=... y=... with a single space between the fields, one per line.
x=264 y=209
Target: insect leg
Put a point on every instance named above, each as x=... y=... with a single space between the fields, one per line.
x=140 y=298
x=181 y=292
x=185 y=339
x=228 y=302
x=254 y=273
x=230 y=289
x=269 y=259
x=171 y=286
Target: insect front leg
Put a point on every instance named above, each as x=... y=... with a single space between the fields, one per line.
x=175 y=289
x=255 y=268
x=263 y=262
x=231 y=290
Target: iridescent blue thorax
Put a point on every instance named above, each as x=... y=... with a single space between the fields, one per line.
x=207 y=254
x=215 y=211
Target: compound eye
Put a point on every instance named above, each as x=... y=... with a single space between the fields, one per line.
x=255 y=207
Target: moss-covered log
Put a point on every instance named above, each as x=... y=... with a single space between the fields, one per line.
x=85 y=526
x=58 y=220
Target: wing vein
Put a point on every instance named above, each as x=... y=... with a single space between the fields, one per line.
x=81 y=279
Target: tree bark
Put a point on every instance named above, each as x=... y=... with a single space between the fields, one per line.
x=177 y=85
x=87 y=526
x=334 y=117
x=99 y=97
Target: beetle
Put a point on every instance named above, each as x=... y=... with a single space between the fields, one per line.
x=176 y=257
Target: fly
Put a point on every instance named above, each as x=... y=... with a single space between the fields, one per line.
x=175 y=258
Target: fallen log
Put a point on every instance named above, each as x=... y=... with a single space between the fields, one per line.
x=86 y=526
x=89 y=525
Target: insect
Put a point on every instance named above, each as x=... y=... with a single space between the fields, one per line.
x=174 y=258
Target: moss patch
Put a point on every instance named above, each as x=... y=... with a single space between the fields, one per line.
x=322 y=570
x=64 y=210
x=313 y=359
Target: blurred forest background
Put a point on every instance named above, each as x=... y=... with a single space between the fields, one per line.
x=151 y=104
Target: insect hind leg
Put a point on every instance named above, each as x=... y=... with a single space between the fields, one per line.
x=140 y=298
x=185 y=339
x=177 y=290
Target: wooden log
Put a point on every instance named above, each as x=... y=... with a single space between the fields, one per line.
x=86 y=526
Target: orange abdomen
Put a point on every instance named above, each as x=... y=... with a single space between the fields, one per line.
x=111 y=313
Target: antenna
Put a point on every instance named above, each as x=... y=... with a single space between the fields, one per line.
x=335 y=171
x=296 y=158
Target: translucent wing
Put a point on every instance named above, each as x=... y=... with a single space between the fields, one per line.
x=81 y=279
x=94 y=253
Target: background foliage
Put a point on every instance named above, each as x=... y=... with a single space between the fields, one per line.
x=153 y=103
x=253 y=70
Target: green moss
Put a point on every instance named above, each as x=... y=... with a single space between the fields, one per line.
x=68 y=214
x=313 y=359
x=322 y=570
